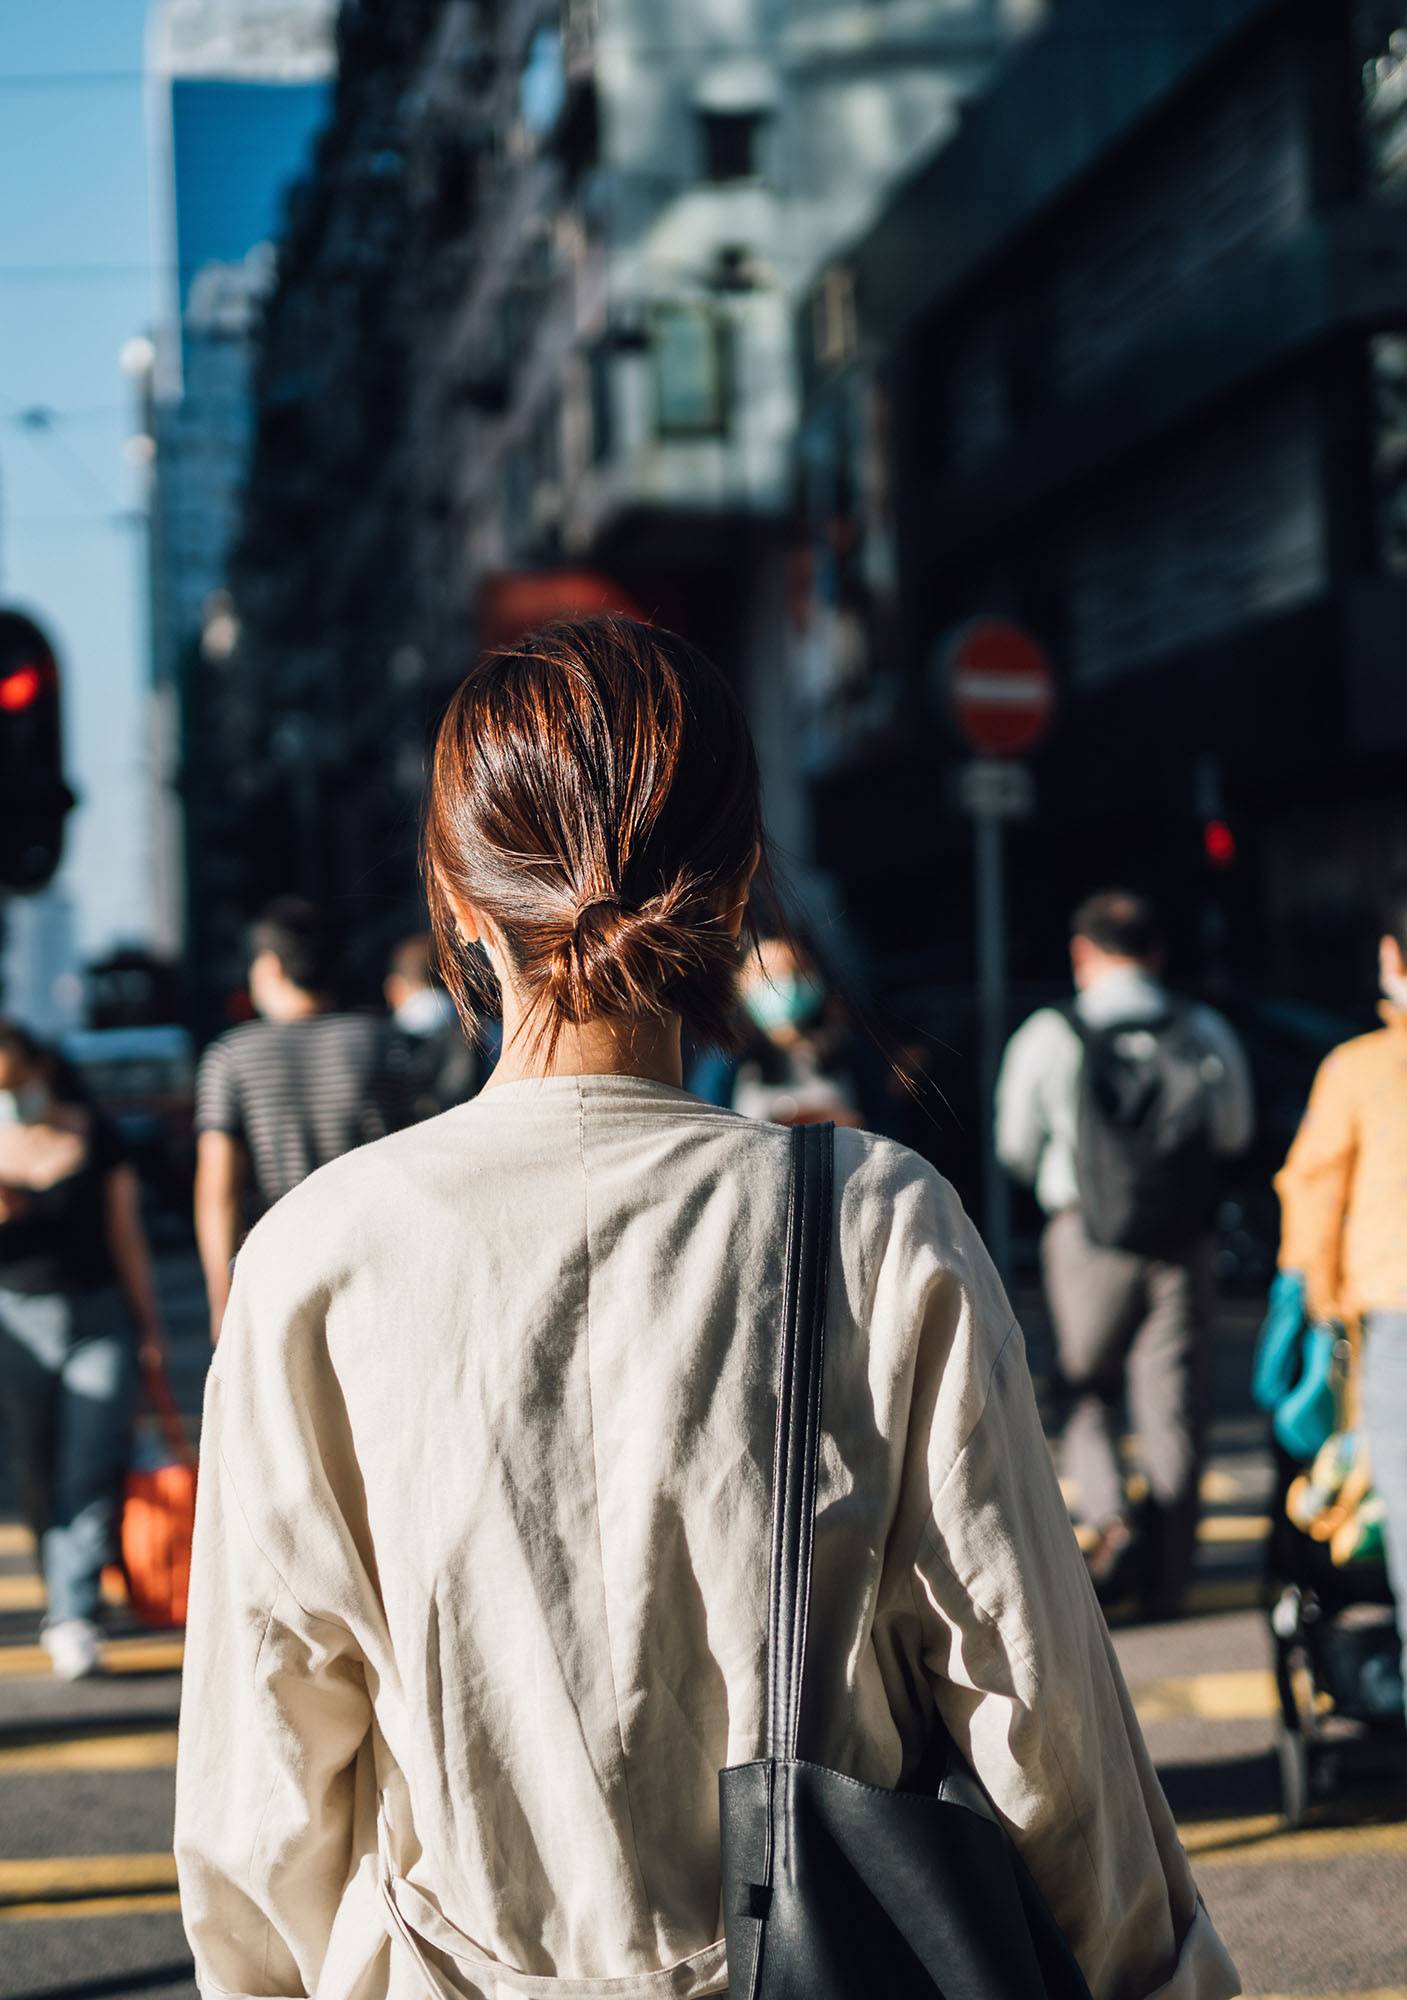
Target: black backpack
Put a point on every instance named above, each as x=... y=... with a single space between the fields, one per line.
x=1143 y=1143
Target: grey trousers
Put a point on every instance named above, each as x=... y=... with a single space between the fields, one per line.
x=1384 y=1403
x=1125 y=1322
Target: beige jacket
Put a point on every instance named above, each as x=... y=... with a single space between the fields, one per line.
x=480 y=1583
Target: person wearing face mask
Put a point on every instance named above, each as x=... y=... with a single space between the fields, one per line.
x=1343 y=1198
x=78 y=1322
x=428 y=1048
x=801 y=1067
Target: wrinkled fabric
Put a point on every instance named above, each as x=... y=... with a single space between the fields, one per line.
x=479 y=1602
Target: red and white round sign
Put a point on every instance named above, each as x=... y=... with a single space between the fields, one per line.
x=1000 y=685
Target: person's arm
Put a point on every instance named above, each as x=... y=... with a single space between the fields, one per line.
x=1023 y=1674
x=221 y=1169
x=1022 y=1123
x=131 y=1257
x=264 y=1834
x=221 y=1172
x=1314 y=1187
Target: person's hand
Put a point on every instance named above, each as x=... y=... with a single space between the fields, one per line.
x=37 y=1157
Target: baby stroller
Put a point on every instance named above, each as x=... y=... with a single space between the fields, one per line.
x=1335 y=1642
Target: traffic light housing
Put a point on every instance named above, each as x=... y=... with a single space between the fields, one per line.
x=34 y=798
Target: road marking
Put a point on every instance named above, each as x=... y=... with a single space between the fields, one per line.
x=26 y=1593
x=161 y=1655
x=1233 y=1528
x=62 y=1878
x=15 y=1539
x=107 y=1907
x=1244 y=1695
x=137 y=1750
x=1220 y=1843
x=1217 y=1488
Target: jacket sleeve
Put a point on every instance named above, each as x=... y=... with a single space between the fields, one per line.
x=274 y=1713
x=1023 y=1126
x=1313 y=1186
x=1023 y=1673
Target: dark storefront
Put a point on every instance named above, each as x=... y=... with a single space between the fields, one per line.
x=1126 y=363
x=1139 y=339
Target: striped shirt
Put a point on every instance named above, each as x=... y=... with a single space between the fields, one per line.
x=297 y=1094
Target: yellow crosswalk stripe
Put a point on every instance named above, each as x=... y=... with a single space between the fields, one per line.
x=62 y=1878
x=1224 y=1593
x=1221 y=1843
x=135 y=1750
x=107 y=1907
x=15 y=1539
x=1217 y=1488
x=160 y=1654
x=1215 y=1530
x=26 y=1593
x=1221 y=1528
x=1240 y=1695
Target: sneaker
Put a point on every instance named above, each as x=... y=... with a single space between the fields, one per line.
x=75 y=1647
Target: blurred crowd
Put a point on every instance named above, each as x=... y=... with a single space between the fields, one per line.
x=1118 y=1109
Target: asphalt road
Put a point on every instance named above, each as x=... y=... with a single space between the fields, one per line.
x=87 y=1899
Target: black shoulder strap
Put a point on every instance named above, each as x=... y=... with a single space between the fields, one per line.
x=798 y=1428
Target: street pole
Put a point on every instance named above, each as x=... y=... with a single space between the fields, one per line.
x=991 y=1026
x=1002 y=690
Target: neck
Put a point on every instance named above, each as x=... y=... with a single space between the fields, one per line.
x=640 y=1046
x=1106 y=967
x=295 y=1005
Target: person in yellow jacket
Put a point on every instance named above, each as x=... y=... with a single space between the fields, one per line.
x=1343 y=1196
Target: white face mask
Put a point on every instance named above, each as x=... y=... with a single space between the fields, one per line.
x=1394 y=987
x=425 y=1011
x=25 y=1106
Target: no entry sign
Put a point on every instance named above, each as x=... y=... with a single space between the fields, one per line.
x=1000 y=685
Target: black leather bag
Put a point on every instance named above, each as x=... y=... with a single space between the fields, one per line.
x=834 y=1890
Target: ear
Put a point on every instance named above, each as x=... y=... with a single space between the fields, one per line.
x=1391 y=961
x=467 y=920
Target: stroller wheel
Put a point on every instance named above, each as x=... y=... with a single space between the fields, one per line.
x=1293 y=1752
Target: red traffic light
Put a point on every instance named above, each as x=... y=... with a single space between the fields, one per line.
x=22 y=687
x=33 y=795
x=1218 y=843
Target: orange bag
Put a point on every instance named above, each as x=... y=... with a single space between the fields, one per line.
x=158 y=1517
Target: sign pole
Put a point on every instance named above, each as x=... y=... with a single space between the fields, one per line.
x=1001 y=690
x=990 y=892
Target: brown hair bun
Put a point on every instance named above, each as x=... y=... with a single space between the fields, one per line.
x=595 y=795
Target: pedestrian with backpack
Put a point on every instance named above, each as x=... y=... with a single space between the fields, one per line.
x=1117 y=1109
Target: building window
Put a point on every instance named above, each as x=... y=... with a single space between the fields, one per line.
x=732 y=145
x=689 y=344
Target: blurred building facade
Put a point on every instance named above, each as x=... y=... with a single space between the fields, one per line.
x=532 y=334
x=237 y=93
x=1125 y=362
